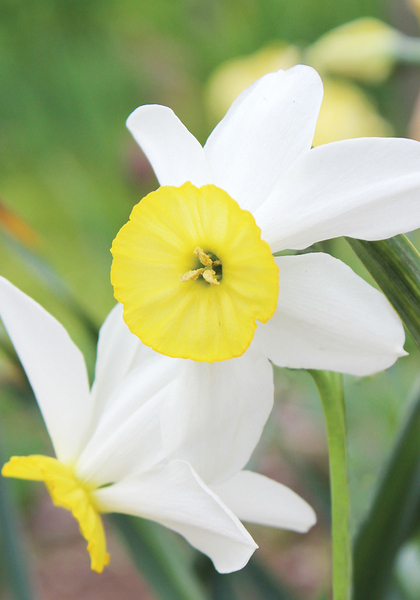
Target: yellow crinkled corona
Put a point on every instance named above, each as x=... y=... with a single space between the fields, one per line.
x=66 y=491
x=208 y=317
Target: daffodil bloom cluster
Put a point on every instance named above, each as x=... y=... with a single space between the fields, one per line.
x=119 y=449
x=258 y=183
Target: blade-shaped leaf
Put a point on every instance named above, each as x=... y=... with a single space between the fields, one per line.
x=12 y=554
x=395 y=266
x=158 y=560
x=393 y=514
x=40 y=268
x=253 y=582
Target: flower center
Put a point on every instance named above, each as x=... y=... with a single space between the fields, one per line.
x=193 y=274
x=210 y=273
x=68 y=492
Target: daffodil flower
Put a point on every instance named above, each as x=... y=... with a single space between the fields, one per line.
x=111 y=450
x=259 y=160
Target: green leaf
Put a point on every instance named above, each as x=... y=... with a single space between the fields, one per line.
x=12 y=555
x=269 y=587
x=395 y=266
x=393 y=514
x=158 y=559
x=40 y=268
x=253 y=581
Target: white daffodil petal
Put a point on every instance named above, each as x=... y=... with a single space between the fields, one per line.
x=54 y=365
x=119 y=352
x=174 y=153
x=175 y=496
x=117 y=347
x=127 y=437
x=216 y=412
x=258 y=499
x=328 y=317
x=365 y=188
x=266 y=129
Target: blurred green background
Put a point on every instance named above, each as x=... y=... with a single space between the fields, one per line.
x=70 y=74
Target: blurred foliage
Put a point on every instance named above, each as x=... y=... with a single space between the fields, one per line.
x=70 y=74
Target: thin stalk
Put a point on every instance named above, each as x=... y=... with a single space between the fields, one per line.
x=330 y=388
x=407 y=49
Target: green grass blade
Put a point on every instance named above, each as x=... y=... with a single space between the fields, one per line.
x=158 y=559
x=393 y=514
x=51 y=281
x=12 y=556
x=395 y=266
x=269 y=587
x=253 y=581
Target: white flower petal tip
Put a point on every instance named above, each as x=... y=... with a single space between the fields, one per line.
x=366 y=188
x=174 y=153
x=54 y=365
x=329 y=318
x=255 y=498
x=268 y=127
x=172 y=494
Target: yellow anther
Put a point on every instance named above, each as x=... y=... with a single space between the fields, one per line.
x=209 y=276
x=207 y=272
x=203 y=257
x=191 y=275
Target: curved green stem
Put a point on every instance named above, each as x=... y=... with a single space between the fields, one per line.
x=407 y=49
x=330 y=388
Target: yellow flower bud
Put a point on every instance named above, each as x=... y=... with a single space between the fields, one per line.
x=234 y=76
x=347 y=112
x=363 y=49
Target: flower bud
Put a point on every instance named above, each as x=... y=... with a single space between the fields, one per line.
x=363 y=49
x=347 y=112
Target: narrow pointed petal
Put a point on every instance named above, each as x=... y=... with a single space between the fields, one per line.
x=216 y=412
x=255 y=498
x=128 y=437
x=329 y=318
x=366 y=188
x=175 y=496
x=55 y=368
x=266 y=129
x=174 y=153
x=117 y=348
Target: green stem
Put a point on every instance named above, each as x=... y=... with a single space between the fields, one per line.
x=407 y=49
x=330 y=388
